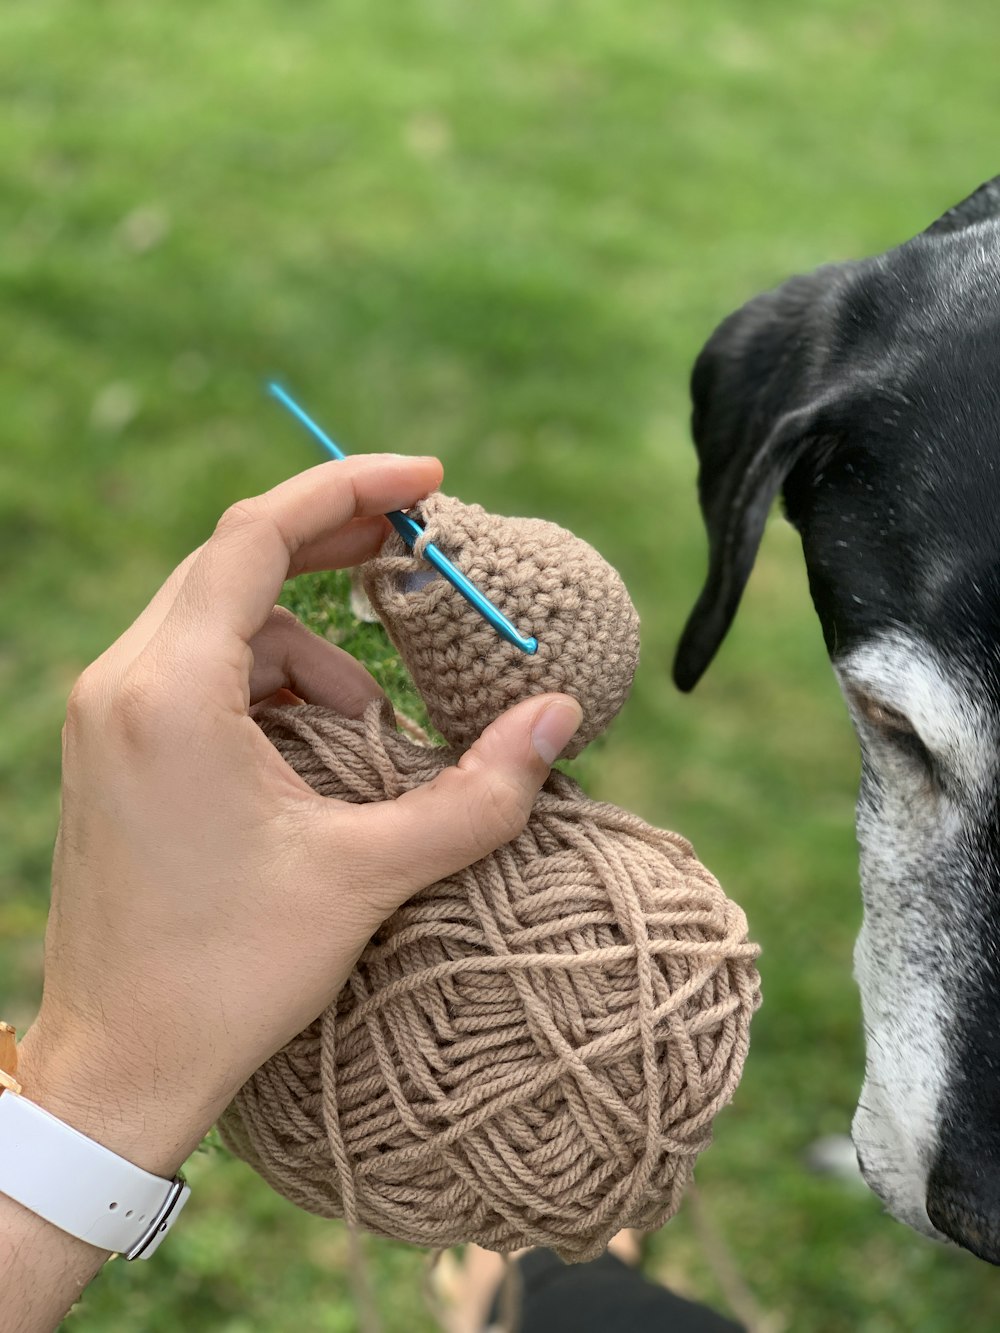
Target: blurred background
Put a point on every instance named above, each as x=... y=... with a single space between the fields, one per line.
x=497 y=232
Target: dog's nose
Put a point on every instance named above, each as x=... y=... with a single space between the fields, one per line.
x=963 y=1202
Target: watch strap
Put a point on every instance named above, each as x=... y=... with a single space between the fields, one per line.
x=80 y=1186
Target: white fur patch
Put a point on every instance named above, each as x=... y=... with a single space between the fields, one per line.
x=903 y=672
x=917 y=881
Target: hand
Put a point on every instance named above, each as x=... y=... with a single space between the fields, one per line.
x=207 y=904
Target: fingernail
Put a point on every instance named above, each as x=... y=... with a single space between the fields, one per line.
x=553 y=728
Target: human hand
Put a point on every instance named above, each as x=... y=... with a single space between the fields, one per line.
x=207 y=904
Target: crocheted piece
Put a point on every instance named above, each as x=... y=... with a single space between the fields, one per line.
x=546 y=581
x=530 y=1052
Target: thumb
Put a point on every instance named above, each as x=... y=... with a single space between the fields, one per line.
x=474 y=807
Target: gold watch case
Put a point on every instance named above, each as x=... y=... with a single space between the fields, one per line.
x=8 y=1059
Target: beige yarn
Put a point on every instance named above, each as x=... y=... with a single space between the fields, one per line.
x=546 y=581
x=530 y=1052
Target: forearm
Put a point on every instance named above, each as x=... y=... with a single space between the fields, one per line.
x=42 y=1270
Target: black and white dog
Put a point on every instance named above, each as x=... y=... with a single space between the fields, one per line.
x=868 y=394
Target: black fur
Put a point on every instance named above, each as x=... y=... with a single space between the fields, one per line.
x=836 y=389
x=867 y=394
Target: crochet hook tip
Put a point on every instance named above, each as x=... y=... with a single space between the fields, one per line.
x=409 y=529
x=317 y=432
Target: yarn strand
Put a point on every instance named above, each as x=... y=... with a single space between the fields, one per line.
x=528 y=1053
x=532 y=1051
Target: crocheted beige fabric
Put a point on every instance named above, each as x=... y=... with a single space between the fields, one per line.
x=530 y=1052
x=545 y=580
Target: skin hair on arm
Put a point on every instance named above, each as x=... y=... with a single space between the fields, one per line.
x=44 y=1271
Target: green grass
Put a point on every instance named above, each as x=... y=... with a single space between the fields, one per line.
x=499 y=233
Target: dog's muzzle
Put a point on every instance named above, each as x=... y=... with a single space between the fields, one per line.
x=963 y=1202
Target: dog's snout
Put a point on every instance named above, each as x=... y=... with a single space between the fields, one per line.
x=963 y=1202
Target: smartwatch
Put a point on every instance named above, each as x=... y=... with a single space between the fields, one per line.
x=78 y=1185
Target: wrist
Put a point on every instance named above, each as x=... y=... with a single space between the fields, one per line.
x=123 y=1109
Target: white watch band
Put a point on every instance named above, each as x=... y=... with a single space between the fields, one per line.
x=81 y=1187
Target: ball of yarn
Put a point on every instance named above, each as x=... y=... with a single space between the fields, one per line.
x=530 y=1052
x=547 y=581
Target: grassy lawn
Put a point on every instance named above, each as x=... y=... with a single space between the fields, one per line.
x=497 y=232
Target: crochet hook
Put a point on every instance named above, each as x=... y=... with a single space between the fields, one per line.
x=409 y=529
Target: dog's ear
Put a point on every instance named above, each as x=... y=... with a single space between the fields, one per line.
x=768 y=386
x=761 y=392
x=981 y=204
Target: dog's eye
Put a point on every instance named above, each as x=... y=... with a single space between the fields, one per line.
x=883 y=717
x=897 y=728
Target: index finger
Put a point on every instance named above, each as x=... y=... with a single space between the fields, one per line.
x=236 y=579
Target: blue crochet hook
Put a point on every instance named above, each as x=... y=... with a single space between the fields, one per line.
x=409 y=529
